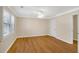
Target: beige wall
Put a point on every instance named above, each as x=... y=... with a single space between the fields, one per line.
x=64 y=27
x=52 y=28
x=26 y=27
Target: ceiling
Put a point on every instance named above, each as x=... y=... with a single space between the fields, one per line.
x=41 y=11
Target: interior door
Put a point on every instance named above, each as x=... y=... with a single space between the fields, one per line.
x=75 y=27
x=78 y=33
x=78 y=28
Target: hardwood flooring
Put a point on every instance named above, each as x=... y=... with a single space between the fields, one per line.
x=41 y=44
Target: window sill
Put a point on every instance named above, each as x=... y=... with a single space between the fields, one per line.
x=6 y=34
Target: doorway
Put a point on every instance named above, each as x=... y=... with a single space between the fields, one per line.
x=75 y=31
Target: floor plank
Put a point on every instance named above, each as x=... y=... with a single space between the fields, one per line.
x=42 y=44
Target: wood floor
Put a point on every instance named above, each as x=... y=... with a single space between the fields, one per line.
x=41 y=44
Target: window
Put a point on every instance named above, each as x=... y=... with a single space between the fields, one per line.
x=8 y=22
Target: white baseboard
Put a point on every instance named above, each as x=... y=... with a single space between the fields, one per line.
x=32 y=35
x=10 y=45
x=60 y=39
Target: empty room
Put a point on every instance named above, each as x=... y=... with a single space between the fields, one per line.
x=39 y=29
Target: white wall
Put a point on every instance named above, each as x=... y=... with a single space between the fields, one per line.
x=8 y=39
x=64 y=27
x=52 y=29
x=26 y=27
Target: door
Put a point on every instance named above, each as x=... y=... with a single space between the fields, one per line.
x=75 y=27
x=75 y=31
x=78 y=32
x=78 y=28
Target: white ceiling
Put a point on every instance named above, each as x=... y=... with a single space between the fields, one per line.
x=41 y=11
